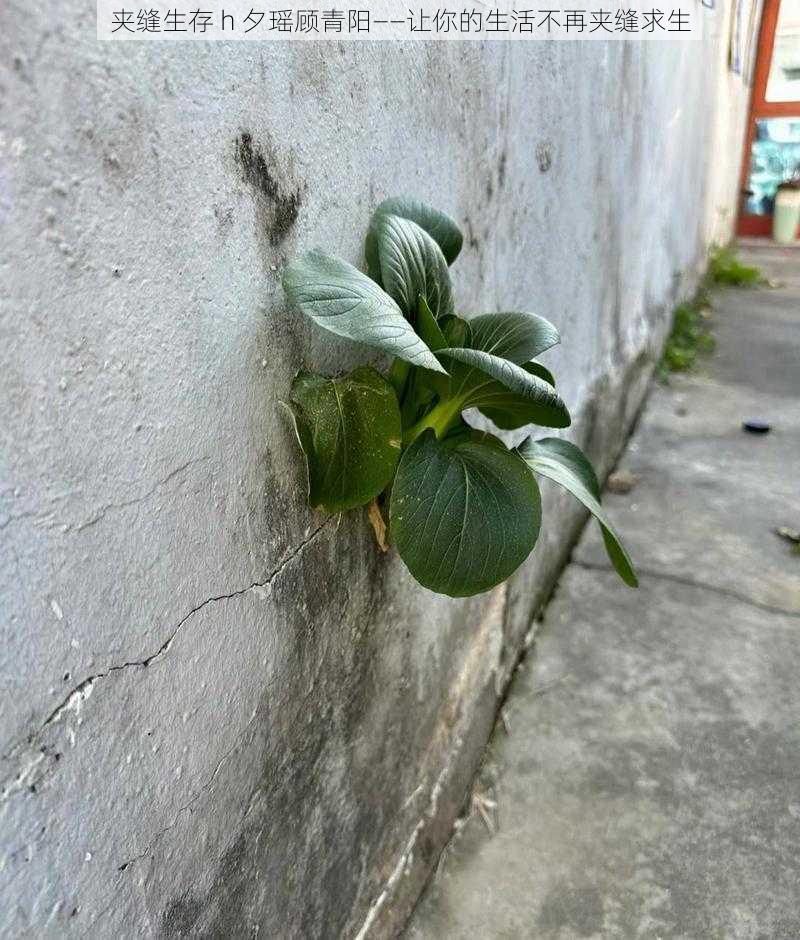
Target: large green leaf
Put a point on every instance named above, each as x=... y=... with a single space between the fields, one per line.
x=463 y=512
x=339 y=298
x=349 y=429
x=488 y=369
x=506 y=409
x=479 y=379
x=536 y=368
x=566 y=465
x=442 y=229
x=517 y=337
x=412 y=266
x=428 y=327
x=456 y=331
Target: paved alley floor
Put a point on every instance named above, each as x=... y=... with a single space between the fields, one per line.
x=648 y=784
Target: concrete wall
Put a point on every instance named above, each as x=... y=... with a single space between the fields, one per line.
x=222 y=712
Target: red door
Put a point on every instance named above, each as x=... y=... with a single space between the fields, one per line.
x=772 y=146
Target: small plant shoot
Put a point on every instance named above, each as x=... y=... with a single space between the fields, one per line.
x=464 y=510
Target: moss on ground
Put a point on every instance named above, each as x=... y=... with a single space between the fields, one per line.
x=691 y=335
x=725 y=269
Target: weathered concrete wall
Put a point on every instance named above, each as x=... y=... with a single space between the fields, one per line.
x=222 y=712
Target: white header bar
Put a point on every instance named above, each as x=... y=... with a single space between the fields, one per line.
x=396 y=20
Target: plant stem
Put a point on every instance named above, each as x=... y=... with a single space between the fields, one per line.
x=439 y=419
x=398 y=377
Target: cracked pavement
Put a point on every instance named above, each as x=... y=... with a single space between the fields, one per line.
x=647 y=771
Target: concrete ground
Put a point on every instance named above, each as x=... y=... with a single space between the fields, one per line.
x=647 y=780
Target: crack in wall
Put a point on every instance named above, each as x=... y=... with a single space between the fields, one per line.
x=27 y=514
x=187 y=806
x=83 y=690
x=49 y=519
x=691 y=582
x=101 y=513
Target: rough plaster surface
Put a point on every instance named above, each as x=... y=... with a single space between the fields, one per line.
x=220 y=711
x=648 y=785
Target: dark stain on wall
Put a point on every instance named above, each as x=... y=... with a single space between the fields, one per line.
x=544 y=156
x=309 y=850
x=501 y=170
x=293 y=868
x=259 y=171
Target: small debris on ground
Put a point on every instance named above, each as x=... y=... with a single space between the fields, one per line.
x=621 y=481
x=756 y=426
x=504 y=721
x=485 y=807
x=791 y=535
x=540 y=690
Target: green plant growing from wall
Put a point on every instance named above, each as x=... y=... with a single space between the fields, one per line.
x=464 y=509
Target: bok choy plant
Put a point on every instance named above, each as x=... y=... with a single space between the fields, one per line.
x=464 y=509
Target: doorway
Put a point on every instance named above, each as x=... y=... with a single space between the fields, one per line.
x=772 y=146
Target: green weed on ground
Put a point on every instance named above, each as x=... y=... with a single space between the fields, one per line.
x=691 y=336
x=725 y=269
